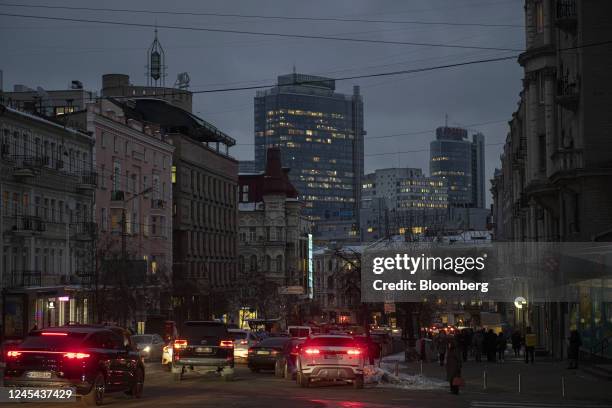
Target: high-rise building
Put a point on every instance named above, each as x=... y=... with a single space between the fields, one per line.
x=320 y=134
x=461 y=162
x=402 y=201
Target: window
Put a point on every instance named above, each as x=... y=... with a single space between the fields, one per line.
x=245 y=194
x=102 y=176
x=542 y=153
x=173 y=174
x=115 y=144
x=252 y=234
x=103 y=219
x=541 y=87
x=116 y=175
x=103 y=138
x=540 y=17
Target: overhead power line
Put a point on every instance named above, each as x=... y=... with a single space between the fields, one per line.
x=260 y=33
x=264 y=17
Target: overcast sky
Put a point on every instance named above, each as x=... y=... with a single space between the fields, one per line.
x=52 y=53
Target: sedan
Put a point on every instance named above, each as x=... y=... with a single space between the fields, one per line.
x=262 y=356
x=285 y=360
x=150 y=346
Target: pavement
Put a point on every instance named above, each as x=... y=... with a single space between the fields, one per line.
x=541 y=388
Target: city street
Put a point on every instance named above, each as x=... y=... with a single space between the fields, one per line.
x=254 y=390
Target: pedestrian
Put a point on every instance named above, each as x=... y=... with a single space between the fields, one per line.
x=453 y=367
x=573 y=352
x=441 y=344
x=477 y=344
x=516 y=343
x=530 y=343
x=501 y=347
x=490 y=345
x=462 y=344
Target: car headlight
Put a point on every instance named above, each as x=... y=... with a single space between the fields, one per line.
x=147 y=349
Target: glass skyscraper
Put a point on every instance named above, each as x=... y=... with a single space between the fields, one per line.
x=461 y=162
x=320 y=134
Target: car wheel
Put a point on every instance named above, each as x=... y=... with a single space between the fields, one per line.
x=96 y=395
x=303 y=380
x=138 y=385
x=358 y=382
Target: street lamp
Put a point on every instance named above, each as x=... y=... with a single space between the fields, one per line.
x=123 y=220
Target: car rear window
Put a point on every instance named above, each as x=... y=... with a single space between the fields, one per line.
x=299 y=332
x=38 y=341
x=142 y=339
x=274 y=342
x=330 y=342
x=237 y=335
x=194 y=332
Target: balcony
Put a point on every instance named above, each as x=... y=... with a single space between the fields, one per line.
x=28 y=166
x=568 y=93
x=565 y=160
x=87 y=181
x=27 y=226
x=80 y=278
x=22 y=278
x=566 y=17
x=117 y=195
x=84 y=231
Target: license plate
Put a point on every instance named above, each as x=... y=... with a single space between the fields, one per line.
x=263 y=352
x=332 y=356
x=203 y=350
x=38 y=374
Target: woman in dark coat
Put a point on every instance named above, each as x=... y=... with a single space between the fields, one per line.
x=573 y=351
x=453 y=366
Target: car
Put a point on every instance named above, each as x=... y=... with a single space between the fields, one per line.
x=285 y=360
x=330 y=358
x=150 y=346
x=243 y=340
x=262 y=356
x=94 y=360
x=203 y=346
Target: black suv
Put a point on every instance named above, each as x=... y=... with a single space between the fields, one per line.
x=203 y=346
x=93 y=359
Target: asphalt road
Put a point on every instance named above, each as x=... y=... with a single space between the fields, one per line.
x=254 y=390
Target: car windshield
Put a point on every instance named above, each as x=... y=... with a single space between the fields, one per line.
x=141 y=339
x=58 y=341
x=273 y=342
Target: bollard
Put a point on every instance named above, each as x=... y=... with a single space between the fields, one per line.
x=397 y=368
x=484 y=380
x=519 y=382
x=563 y=386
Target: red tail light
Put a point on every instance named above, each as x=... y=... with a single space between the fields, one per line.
x=180 y=344
x=76 y=356
x=54 y=334
x=243 y=342
x=251 y=350
x=354 y=352
x=13 y=354
x=312 y=351
x=226 y=344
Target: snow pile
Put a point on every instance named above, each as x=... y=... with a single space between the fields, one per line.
x=384 y=378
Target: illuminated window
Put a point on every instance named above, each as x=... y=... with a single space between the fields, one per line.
x=316 y=159
x=173 y=174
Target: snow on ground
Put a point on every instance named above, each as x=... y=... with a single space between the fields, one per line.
x=383 y=377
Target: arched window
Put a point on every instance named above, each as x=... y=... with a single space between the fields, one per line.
x=268 y=263
x=253 y=263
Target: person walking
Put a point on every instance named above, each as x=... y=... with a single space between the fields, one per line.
x=477 y=345
x=573 y=352
x=490 y=344
x=501 y=347
x=530 y=343
x=453 y=367
x=516 y=343
x=441 y=344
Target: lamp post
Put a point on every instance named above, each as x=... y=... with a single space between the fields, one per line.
x=123 y=221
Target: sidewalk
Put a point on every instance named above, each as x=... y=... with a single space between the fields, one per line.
x=541 y=381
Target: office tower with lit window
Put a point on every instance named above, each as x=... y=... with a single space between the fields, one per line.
x=461 y=163
x=320 y=134
x=402 y=201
